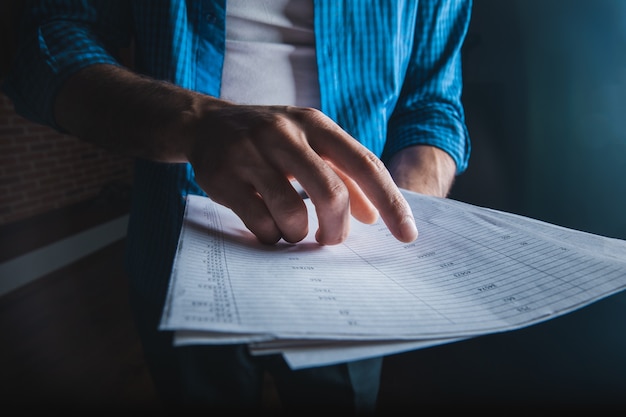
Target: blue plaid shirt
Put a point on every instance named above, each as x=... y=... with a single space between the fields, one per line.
x=389 y=74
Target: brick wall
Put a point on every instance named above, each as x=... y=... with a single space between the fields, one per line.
x=42 y=170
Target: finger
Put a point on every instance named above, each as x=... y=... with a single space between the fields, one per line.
x=330 y=196
x=377 y=184
x=293 y=156
x=246 y=203
x=325 y=188
x=360 y=206
x=370 y=174
x=283 y=203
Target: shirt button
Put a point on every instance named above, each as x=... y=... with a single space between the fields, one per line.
x=210 y=17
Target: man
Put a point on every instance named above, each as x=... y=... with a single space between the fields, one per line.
x=236 y=100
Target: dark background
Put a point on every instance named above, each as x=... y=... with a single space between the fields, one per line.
x=545 y=98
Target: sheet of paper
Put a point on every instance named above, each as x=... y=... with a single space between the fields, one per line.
x=471 y=271
x=308 y=356
x=305 y=353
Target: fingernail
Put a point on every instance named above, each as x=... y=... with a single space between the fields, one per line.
x=408 y=229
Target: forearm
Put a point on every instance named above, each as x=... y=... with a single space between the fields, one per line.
x=243 y=156
x=424 y=169
x=429 y=112
x=126 y=113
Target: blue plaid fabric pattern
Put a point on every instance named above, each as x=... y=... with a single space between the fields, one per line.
x=389 y=74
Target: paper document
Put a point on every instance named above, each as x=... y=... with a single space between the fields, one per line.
x=472 y=271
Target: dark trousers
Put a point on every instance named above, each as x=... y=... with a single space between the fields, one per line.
x=228 y=377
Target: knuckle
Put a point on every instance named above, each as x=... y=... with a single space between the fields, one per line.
x=372 y=163
x=279 y=198
x=310 y=115
x=278 y=131
x=338 y=196
x=397 y=202
x=279 y=120
x=288 y=210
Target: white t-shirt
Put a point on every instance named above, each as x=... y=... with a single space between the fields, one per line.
x=270 y=53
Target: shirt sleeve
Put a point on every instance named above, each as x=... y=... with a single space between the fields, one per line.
x=56 y=39
x=429 y=110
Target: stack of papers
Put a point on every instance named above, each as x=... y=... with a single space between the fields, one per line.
x=472 y=271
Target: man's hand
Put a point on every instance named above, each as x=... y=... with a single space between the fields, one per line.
x=244 y=157
x=423 y=169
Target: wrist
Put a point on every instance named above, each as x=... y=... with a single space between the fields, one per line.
x=199 y=123
x=424 y=169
